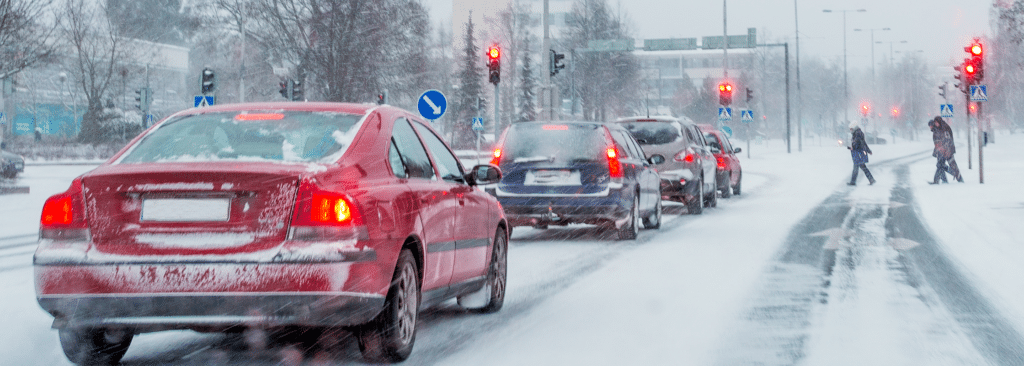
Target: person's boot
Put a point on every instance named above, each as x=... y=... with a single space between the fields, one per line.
x=871 y=182
x=851 y=184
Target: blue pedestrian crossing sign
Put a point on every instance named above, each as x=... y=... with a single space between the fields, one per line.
x=979 y=93
x=747 y=116
x=203 y=101
x=724 y=114
x=478 y=123
x=432 y=104
x=946 y=110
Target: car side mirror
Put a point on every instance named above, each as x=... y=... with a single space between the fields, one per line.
x=484 y=174
x=736 y=150
x=656 y=159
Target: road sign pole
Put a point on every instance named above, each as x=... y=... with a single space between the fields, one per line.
x=981 y=148
x=497 y=110
x=967 y=123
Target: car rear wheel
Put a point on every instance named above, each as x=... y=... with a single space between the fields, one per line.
x=390 y=336
x=695 y=205
x=711 y=200
x=89 y=346
x=494 y=288
x=632 y=228
x=654 y=220
x=725 y=188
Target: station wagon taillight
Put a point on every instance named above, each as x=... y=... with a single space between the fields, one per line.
x=496 y=156
x=614 y=166
x=63 y=216
x=324 y=215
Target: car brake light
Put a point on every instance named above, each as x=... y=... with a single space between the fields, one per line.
x=555 y=127
x=63 y=216
x=496 y=156
x=322 y=215
x=685 y=155
x=259 y=116
x=614 y=166
x=721 y=163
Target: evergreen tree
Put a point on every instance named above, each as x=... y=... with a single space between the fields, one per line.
x=527 y=101
x=469 y=93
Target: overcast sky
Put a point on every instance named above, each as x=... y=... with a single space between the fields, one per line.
x=939 y=28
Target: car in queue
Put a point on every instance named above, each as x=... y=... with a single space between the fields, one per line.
x=730 y=173
x=11 y=164
x=294 y=218
x=561 y=173
x=688 y=170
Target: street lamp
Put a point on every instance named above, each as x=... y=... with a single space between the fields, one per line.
x=872 y=30
x=846 y=89
x=890 y=49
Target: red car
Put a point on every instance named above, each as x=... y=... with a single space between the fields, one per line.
x=729 y=173
x=276 y=216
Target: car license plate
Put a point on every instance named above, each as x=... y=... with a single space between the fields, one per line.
x=552 y=177
x=185 y=209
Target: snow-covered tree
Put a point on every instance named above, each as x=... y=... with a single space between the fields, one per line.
x=607 y=82
x=24 y=40
x=470 y=91
x=527 y=110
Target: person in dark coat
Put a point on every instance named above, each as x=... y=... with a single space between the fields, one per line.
x=942 y=136
x=859 y=150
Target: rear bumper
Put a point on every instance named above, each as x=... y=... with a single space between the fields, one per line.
x=164 y=311
x=678 y=189
x=530 y=211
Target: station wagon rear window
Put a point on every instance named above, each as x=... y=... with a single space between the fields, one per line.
x=285 y=136
x=528 y=143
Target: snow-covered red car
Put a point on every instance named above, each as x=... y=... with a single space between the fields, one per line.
x=273 y=216
x=730 y=173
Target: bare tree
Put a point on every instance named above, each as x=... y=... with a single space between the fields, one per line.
x=94 y=56
x=24 y=40
x=607 y=82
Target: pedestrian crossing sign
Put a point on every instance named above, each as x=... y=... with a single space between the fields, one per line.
x=478 y=124
x=979 y=93
x=724 y=114
x=946 y=110
x=747 y=115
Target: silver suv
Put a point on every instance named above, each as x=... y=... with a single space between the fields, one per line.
x=688 y=170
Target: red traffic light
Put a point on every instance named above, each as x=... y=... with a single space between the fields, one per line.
x=895 y=111
x=865 y=109
x=494 y=52
x=974 y=49
x=969 y=68
x=725 y=87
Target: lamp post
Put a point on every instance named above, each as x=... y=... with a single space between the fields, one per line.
x=799 y=96
x=872 y=30
x=846 y=89
x=891 y=61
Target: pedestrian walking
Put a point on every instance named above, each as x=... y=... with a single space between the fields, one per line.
x=942 y=136
x=859 y=150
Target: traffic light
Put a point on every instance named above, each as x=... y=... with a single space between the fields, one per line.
x=207 y=81
x=297 y=90
x=725 y=94
x=970 y=71
x=556 y=62
x=382 y=98
x=865 y=109
x=895 y=112
x=976 y=59
x=143 y=98
x=494 y=64
x=285 y=89
x=750 y=95
x=942 y=90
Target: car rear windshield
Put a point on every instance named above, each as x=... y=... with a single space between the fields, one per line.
x=653 y=133
x=289 y=136
x=554 y=143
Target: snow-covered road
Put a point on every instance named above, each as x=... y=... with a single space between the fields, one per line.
x=799 y=269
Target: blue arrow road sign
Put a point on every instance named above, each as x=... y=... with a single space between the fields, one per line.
x=203 y=101
x=478 y=123
x=432 y=104
x=724 y=114
x=727 y=130
x=979 y=93
x=946 y=110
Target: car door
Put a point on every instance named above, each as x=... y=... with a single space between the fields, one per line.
x=437 y=209
x=471 y=230
x=708 y=161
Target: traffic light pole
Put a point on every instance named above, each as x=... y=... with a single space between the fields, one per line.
x=967 y=121
x=981 y=148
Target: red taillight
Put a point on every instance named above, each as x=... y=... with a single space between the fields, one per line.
x=65 y=210
x=259 y=117
x=555 y=127
x=496 y=156
x=721 y=163
x=614 y=166
x=63 y=217
x=685 y=155
x=323 y=215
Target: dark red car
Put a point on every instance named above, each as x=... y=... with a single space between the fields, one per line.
x=729 y=172
x=277 y=216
